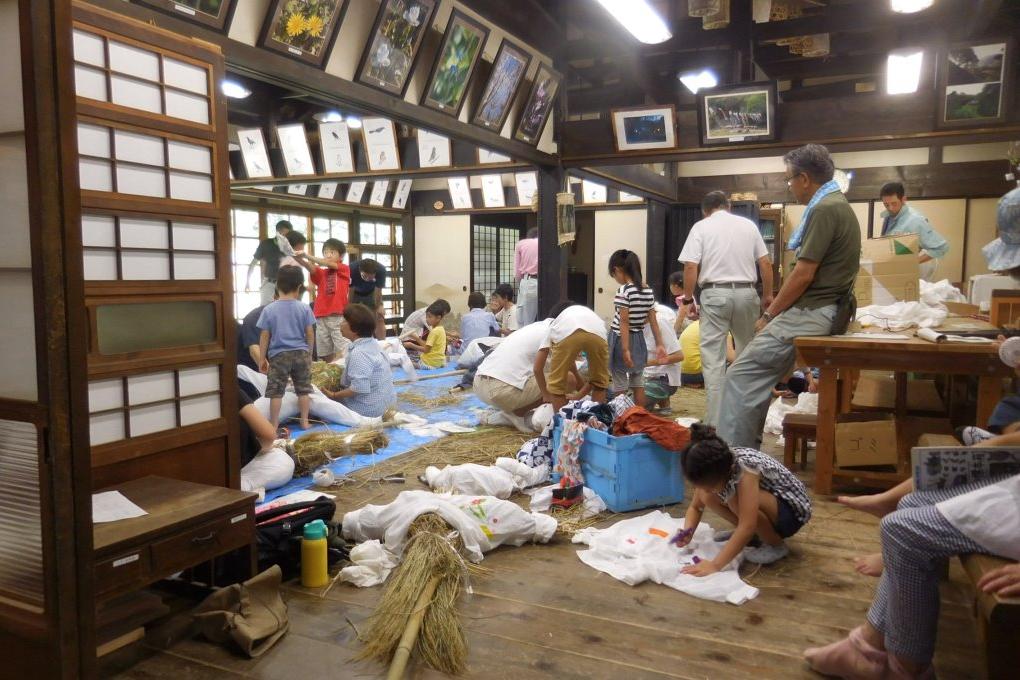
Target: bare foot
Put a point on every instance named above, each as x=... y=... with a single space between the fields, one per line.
x=876 y=504
x=305 y=425
x=869 y=565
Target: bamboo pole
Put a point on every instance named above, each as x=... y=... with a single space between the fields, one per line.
x=403 y=652
x=445 y=374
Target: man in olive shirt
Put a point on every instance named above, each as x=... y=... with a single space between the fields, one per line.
x=828 y=244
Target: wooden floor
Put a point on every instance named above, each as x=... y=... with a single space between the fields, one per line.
x=543 y=614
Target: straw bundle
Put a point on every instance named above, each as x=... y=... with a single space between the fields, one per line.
x=315 y=449
x=429 y=403
x=418 y=610
x=326 y=376
x=571 y=520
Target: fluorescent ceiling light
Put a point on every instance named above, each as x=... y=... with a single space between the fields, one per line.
x=234 y=89
x=353 y=123
x=638 y=17
x=329 y=117
x=702 y=80
x=903 y=72
x=910 y=6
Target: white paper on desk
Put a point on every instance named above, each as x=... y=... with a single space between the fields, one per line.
x=110 y=506
x=934 y=336
x=878 y=336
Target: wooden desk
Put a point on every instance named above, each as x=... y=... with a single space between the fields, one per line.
x=837 y=356
x=187 y=524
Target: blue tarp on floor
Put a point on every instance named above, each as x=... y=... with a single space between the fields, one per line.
x=401 y=441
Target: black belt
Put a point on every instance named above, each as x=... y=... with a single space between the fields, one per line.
x=729 y=284
x=530 y=276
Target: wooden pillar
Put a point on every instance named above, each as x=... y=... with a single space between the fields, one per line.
x=655 y=250
x=407 y=224
x=552 y=260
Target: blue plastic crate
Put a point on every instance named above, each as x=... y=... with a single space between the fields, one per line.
x=629 y=473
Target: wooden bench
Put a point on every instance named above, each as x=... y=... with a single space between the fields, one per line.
x=998 y=620
x=798 y=428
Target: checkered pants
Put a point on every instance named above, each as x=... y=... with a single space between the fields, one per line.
x=916 y=542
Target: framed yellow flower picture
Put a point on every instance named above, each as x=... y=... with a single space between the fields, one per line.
x=303 y=29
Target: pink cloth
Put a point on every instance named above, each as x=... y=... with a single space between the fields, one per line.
x=526 y=258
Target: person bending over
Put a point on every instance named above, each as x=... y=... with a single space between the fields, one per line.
x=575 y=330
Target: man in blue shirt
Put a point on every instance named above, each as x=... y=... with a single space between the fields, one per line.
x=900 y=218
x=368 y=278
x=479 y=322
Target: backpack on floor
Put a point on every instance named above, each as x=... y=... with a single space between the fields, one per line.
x=278 y=534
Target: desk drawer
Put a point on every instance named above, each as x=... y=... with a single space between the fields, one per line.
x=123 y=570
x=203 y=542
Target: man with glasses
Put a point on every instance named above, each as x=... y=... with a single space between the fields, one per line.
x=828 y=245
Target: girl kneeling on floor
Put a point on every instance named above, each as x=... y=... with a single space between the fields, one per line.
x=749 y=489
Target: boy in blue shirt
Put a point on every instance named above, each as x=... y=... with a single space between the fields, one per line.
x=287 y=329
x=479 y=322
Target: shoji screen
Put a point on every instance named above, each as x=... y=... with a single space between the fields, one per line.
x=155 y=236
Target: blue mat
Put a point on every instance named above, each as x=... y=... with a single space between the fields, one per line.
x=401 y=441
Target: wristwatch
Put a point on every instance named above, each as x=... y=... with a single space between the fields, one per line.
x=687 y=300
x=768 y=317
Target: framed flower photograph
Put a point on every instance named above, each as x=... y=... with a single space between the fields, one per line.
x=974 y=81
x=396 y=37
x=508 y=69
x=433 y=150
x=401 y=194
x=737 y=114
x=462 y=45
x=215 y=14
x=380 y=137
x=644 y=127
x=538 y=106
x=335 y=147
x=302 y=29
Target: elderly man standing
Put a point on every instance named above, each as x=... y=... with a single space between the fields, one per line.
x=526 y=274
x=900 y=218
x=828 y=245
x=721 y=254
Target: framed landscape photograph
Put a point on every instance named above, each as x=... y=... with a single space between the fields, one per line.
x=433 y=150
x=459 y=52
x=380 y=137
x=215 y=14
x=297 y=159
x=460 y=193
x=254 y=154
x=401 y=194
x=737 y=114
x=394 y=42
x=643 y=127
x=974 y=83
x=538 y=106
x=335 y=147
x=508 y=69
x=302 y=29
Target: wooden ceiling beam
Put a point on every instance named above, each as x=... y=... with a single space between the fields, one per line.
x=825 y=67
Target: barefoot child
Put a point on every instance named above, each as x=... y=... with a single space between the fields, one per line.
x=287 y=329
x=749 y=489
x=332 y=280
x=424 y=337
x=635 y=307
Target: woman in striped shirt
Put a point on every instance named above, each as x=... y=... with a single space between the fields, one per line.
x=635 y=307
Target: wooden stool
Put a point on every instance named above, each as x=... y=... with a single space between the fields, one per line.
x=798 y=428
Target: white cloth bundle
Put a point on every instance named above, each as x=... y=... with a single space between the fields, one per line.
x=473 y=354
x=371 y=565
x=541 y=500
x=500 y=480
x=901 y=315
x=638 y=549
x=806 y=403
x=483 y=522
x=321 y=407
x=268 y=470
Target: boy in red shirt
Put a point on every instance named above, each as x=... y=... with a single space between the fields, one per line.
x=332 y=279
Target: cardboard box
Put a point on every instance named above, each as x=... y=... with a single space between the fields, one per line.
x=876 y=390
x=865 y=441
x=939 y=440
x=962 y=308
x=913 y=428
x=889 y=271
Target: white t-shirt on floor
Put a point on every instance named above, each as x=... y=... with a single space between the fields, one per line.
x=571 y=319
x=513 y=360
x=726 y=248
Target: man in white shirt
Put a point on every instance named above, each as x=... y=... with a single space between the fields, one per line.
x=724 y=254
x=506 y=378
x=574 y=329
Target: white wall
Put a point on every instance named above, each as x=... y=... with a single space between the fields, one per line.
x=980 y=231
x=442 y=260
x=615 y=229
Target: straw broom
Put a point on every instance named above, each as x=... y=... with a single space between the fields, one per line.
x=417 y=613
x=312 y=450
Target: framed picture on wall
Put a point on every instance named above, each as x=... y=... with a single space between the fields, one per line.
x=380 y=135
x=298 y=189
x=215 y=14
x=393 y=45
x=335 y=147
x=401 y=194
x=644 y=127
x=253 y=153
x=593 y=192
x=459 y=52
x=486 y=157
x=327 y=190
x=377 y=196
x=460 y=193
x=297 y=159
x=538 y=105
x=737 y=114
x=356 y=191
x=492 y=191
x=508 y=69
x=433 y=150
x=302 y=29
x=974 y=83
x=527 y=187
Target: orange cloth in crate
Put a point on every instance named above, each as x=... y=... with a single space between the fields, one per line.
x=664 y=432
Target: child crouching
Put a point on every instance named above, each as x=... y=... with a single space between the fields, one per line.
x=747 y=488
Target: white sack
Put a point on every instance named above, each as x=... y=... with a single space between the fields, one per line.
x=806 y=403
x=638 y=549
x=268 y=470
x=324 y=408
x=901 y=316
x=483 y=522
x=524 y=475
x=541 y=500
x=939 y=292
x=371 y=564
x=395 y=351
x=473 y=354
x=500 y=480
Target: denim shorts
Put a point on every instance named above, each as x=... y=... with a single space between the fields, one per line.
x=624 y=376
x=787 y=523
